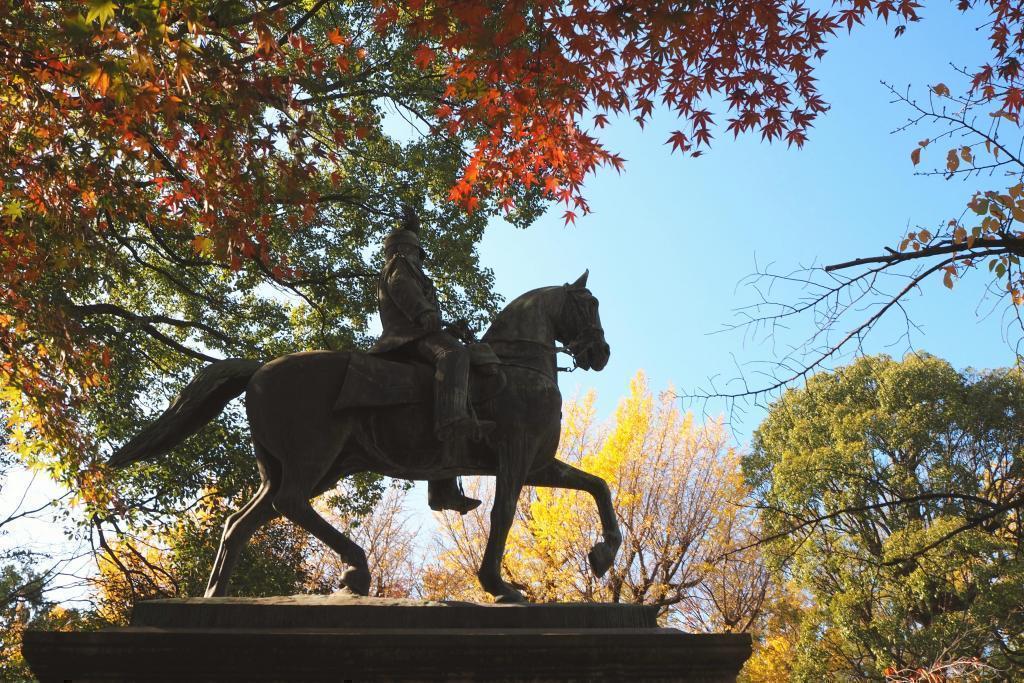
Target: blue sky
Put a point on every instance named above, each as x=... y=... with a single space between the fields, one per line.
x=671 y=238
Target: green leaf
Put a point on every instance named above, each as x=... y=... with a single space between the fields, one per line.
x=102 y=10
x=12 y=209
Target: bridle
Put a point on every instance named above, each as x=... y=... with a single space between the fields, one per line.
x=587 y=335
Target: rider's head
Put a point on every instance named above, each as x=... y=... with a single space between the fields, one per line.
x=411 y=252
x=405 y=238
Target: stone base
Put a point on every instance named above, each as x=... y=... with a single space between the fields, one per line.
x=340 y=638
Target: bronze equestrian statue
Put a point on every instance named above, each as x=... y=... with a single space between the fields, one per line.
x=318 y=416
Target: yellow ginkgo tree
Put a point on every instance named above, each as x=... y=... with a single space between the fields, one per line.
x=679 y=497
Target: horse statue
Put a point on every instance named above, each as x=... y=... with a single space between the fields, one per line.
x=318 y=416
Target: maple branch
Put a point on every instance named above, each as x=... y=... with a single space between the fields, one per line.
x=302 y=20
x=168 y=251
x=165 y=161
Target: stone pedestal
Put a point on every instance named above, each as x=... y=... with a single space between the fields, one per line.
x=341 y=638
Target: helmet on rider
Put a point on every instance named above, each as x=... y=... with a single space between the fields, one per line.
x=405 y=234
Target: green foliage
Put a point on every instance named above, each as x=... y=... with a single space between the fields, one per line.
x=176 y=563
x=896 y=489
x=271 y=563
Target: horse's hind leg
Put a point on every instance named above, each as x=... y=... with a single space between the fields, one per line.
x=557 y=474
x=241 y=525
x=292 y=501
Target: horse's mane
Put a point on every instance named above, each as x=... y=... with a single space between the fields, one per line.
x=515 y=309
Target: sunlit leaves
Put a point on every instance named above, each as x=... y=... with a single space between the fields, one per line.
x=202 y=245
x=101 y=10
x=98 y=79
x=12 y=210
x=335 y=37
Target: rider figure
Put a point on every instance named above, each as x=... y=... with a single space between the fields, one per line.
x=411 y=318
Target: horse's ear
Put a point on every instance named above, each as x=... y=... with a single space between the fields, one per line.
x=581 y=282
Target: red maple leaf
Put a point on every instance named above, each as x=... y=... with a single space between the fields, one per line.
x=678 y=140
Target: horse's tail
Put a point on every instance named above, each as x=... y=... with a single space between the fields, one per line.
x=198 y=403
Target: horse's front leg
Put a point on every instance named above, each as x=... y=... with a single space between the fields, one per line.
x=557 y=474
x=513 y=463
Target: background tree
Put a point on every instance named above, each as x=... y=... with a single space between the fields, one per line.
x=388 y=536
x=27 y=573
x=776 y=636
x=893 y=493
x=679 y=498
x=279 y=560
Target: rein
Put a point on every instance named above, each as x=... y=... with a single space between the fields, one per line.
x=544 y=348
x=578 y=344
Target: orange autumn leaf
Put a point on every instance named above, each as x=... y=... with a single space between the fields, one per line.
x=335 y=37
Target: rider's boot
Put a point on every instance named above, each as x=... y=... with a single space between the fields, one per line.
x=451 y=400
x=446 y=494
x=454 y=425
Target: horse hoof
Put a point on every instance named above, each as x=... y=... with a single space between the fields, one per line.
x=356 y=581
x=509 y=596
x=601 y=557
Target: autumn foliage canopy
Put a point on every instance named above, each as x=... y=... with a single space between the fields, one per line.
x=212 y=134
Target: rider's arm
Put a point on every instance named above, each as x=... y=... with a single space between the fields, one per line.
x=406 y=291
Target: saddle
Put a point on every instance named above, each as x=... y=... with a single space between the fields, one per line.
x=377 y=381
x=396 y=402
